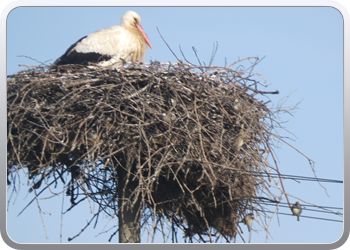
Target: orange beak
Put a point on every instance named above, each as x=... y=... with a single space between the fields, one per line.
x=144 y=35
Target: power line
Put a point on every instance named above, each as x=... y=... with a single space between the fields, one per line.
x=310 y=217
x=319 y=209
x=285 y=204
x=294 y=177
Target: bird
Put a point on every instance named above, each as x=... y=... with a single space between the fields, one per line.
x=110 y=46
x=168 y=117
x=92 y=136
x=296 y=210
x=237 y=106
x=238 y=143
x=240 y=140
x=248 y=220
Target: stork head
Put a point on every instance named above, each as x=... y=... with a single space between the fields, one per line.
x=130 y=21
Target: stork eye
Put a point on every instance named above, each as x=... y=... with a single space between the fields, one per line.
x=135 y=20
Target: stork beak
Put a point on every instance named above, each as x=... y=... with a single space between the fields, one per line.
x=144 y=35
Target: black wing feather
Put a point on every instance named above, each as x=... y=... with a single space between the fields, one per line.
x=73 y=57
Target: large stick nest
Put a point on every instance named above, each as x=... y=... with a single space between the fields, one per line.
x=175 y=128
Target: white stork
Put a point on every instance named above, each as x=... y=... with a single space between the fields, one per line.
x=110 y=46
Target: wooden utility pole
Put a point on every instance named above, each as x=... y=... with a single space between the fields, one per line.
x=129 y=217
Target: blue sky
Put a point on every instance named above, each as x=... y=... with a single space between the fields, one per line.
x=304 y=60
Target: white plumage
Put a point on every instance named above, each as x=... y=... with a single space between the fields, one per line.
x=110 y=46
